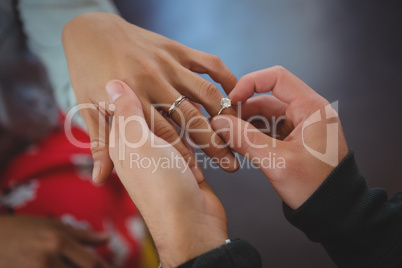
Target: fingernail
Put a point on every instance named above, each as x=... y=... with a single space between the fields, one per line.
x=114 y=89
x=96 y=171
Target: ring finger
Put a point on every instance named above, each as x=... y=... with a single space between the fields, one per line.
x=198 y=128
x=201 y=91
x=164 y=130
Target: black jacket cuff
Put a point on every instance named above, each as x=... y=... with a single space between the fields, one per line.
x=237 y=254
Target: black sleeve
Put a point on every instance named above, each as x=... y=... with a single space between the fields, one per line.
x=358 y=227
x=237 y=254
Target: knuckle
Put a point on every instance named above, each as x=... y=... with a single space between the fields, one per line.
x=98 y=147
x=194 y=119
x=214 y=60
x=149 y=69
x=197 y=123
x=171 y=45
x=209 y=90
x=166 y=132
x=190 y=114
x=232 y=77
x=245 y=78
x=280 y=70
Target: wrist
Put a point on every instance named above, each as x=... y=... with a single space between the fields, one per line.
x=296 y=190
x=185 y=241
x=176 y=255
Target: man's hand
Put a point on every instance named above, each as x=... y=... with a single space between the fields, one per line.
x=33 y=242
x=100 y=47
x=185 y=219
x=304 y=130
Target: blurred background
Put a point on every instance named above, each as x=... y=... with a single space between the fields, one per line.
x=347 y=50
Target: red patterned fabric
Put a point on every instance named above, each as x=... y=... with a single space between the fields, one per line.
x=53 y=179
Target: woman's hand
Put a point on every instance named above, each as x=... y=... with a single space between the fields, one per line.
x=100 y=47
x=185 y=219
x=33 y=242
x=311 y=141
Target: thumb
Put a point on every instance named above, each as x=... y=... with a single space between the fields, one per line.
x=129 y=131
x=124 y=99
x=99 y=133
x=244 y=138
x=96 y=120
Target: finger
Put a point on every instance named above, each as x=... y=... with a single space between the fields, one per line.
x=79 y=255
x=284 y=85
x=129 y=106
x=201 y=91
x=244 y=138
x=212 y=65
x=96 y=121
x=265 y=105
x=187 y=141
x=198 y=128
x=87 y=237
x=268 y=114
x=163 y=129
x=127 y=115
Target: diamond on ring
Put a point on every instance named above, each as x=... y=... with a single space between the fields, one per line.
x=225 y=103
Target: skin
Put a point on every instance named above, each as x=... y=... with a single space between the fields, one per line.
x=292 y=98
x=100 y=47
x=33 y=242
x=185 y=218
x=193 y=220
